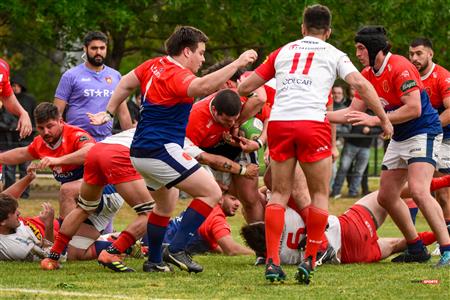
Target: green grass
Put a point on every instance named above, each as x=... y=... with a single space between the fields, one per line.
x=223 y=277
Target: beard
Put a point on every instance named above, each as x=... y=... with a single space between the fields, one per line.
x=424 y=66
x=97 y=60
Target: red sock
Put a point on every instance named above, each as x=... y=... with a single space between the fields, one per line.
x=440 y=182
x=61 y=242
x=427 y=237
x=274 y=220
x=124 y=241
x=315 y=228
x=304 y=213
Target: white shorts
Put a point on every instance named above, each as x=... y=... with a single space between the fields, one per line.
x=107 y=209
x=191 y=149
x=247 y=158
x=166 y=167
x=419 y=148
x=443 y=163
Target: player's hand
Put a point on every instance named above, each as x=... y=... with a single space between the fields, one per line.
x=361 y=118
x=246 y=58
x=229 y=139
x=247 y=145
x=31 y=170
x=99 y=118
x=252 y=171
x=48 y=162
x=267 y=156
x=47 y=214
x=388 y=129
x=334 y=153
x=24 y=125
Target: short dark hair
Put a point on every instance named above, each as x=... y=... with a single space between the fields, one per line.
x=94 y=36
x=8 y=205
x=46 y=111
x=219 y=65
x=254 y=236
x=182 y=37
x=227 y=102
x=422 y=41
x=317 y=18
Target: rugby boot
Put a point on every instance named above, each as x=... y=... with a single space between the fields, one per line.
x=305 y=271
x=444 y=261
x=407 y=257
x=113 y=262
x=49 y=264
x=274 y=272
x=156 y=267
x=182 y=260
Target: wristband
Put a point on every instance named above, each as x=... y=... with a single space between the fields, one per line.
x=260 y=143
x=242 y=170
x=110 y=114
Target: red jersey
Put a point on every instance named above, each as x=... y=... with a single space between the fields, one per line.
x=397 y=77
x=215 y=227
x=5 y=86
x=72 y=139
x=38 y=227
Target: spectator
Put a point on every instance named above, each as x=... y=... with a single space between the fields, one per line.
x=28 y=102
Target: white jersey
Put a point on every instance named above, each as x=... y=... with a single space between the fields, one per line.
x=19 y=245
x=294 y=232
x=123 y=138
x=305 y=71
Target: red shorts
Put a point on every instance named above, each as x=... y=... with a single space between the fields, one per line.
x=109 y=164
x=308 y=141
x=359 y=236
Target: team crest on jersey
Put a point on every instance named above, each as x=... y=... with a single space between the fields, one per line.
x=84 y=138
x=187 y=156
x=108 y=80
x=385 y=86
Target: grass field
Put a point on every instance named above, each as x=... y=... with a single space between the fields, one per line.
x=223 y=277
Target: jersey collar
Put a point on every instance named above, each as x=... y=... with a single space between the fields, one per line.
x=172 y=60
x=383 y=66
x=429 y=72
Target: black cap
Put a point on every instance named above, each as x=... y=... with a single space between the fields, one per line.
x=374 y=39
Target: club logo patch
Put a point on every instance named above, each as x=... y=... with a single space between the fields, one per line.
x=407 y=85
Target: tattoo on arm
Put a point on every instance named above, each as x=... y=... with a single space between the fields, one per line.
x=227 y=166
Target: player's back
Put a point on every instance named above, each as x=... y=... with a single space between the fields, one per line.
x=305 y=71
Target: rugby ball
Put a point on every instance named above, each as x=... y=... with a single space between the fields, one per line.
x=251 y=129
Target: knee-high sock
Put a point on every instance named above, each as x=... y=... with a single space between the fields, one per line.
x=315 y=228
x=440 y=182
x=156 y=229
x=413 y=209
x=61 y=242
x=194 y=216
x=427 y=237
x=274 y=219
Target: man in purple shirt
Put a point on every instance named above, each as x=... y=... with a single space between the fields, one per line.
x=88 y=87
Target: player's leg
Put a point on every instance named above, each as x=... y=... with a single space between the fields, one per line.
x=68 y=195
x=247 y=192
x=443 y=166
x=389 y=246
x=89 y=199
x=419 y=179
x=371 y=203
x=206 y=194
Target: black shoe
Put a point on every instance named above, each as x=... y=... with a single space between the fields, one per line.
x=328 y=256
x=157 y=267
x=274 y=272
x=182 y=260
x=305 y=271
x=407 y=257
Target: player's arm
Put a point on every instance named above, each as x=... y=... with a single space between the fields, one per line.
x=206 y=85
x=17 y=189
x=250 y=84
x=24 y=123
x=124 y=116
x=60 y=104
x=370 y=97
x=341 y=116
x=445 y=115
x=221 y=163
x=47 y=215
x=252 y=106
x=75 y=158
x=231 y=247
x=16 y=156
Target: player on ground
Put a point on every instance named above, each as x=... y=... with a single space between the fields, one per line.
x=11 y=103
x=107 y=163
x=305 y=71
x=412 y=153
x=168 y=87
x=436 y=81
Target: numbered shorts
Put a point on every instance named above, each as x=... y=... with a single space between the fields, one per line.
x=419 y=148
x=359 y=236
x=109 y=164
x=308 y=141
x=166 y=166
x=443 y=163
